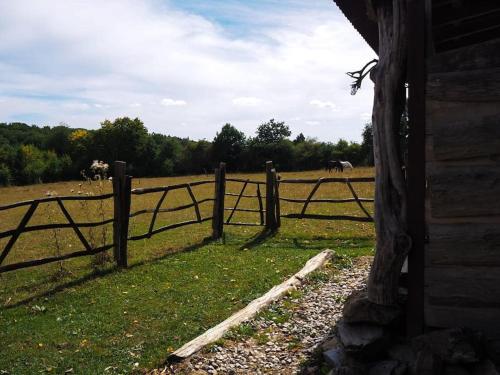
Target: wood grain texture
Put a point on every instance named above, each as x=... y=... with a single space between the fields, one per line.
x=466 y=244
x=478 y=56
x=463 y=191
x=470 y=86
x=484 y=319
x=389 y=76
x=468 y=137
x=463 y=286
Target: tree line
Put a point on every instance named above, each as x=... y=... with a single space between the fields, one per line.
x=32 y=154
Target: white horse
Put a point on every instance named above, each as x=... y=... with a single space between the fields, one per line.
x=346 y=164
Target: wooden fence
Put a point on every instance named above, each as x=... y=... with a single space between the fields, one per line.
x=325 y=180
x=269 y=216
x=24 y=228
x=268 y=210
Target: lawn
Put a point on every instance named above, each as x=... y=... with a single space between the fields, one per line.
x=86 y=315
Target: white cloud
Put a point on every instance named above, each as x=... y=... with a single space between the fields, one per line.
x=323 y=104
x=366 y=116
x=247 y=101
x=167 y=102
x=77 y=106
x=119 y=52
x=312 y=122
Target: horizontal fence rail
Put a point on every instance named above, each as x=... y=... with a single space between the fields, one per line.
x=159 y=189
x=55 y=199
x=173 y=209
x=243 y=180
x=155 y=211
x=325 y=180
x=261 y=211
x=267 y=207
x=23 y=227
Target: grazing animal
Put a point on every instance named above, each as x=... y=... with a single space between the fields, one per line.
x=335 y=165
x=346 y=164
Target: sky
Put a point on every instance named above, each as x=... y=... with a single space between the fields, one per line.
x=184 y=67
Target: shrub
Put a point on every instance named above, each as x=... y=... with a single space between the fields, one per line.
x=5 y=175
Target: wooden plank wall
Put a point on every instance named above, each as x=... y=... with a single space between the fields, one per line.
x=462 y=270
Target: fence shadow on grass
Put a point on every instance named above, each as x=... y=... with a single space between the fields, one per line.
x=205 y=241
x=104 y=272
x=259 y=238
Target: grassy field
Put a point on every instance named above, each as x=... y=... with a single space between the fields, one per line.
x=87 y=316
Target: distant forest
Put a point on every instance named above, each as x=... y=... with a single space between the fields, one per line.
x=33 y=154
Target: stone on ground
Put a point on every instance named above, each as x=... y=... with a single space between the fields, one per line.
x=358 y=309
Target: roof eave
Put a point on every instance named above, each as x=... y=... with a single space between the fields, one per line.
x=358 y=14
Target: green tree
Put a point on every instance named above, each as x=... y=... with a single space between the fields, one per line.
x=30 y=164
x=5 y=175
x=272 y=132
x=123 y=139
x=299 y=139
x=367 y=144
x=58 y=140
x=228 y=146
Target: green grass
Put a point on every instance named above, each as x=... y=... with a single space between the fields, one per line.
x=90 y=318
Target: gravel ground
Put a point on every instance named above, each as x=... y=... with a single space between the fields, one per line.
x=286 y=335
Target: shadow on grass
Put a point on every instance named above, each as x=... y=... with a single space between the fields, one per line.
x=104 y=272
x=259 y=238
x=340 y=242
x=193 y=247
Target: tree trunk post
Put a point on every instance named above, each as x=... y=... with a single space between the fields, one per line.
x=122 y=199
x=219 y=195
x=393 y=241
x=270 y=197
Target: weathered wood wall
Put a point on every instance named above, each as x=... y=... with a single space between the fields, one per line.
x=462 y=271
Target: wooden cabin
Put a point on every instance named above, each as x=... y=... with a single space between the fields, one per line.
x=453 y=74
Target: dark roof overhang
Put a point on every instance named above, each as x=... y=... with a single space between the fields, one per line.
x=358 y=13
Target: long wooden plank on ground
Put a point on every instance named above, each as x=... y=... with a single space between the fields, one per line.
x=251 y=309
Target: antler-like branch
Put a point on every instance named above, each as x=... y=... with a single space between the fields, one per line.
x=359 y=75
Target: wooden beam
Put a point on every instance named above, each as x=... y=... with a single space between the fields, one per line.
x=251 y=309
x=416 y=165
x=391 y=204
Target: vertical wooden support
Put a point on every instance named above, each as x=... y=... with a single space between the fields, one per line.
x=261 y=206
x=393 y=239
x=416 y=165
x=122 y=197
x=270 y=197
x=277 y=198
x=219 y=194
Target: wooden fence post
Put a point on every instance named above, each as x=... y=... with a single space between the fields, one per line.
x=270 y=197
x=122 y=197
x=277 y=198
x=219 y=194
